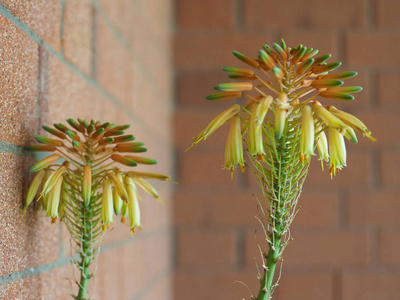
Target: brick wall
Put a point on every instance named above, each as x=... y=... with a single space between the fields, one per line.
x=102 y=60
x=347 y=234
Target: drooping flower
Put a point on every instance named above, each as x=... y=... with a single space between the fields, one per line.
x=234 y=146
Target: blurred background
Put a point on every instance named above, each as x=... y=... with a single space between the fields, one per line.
x=151 y=63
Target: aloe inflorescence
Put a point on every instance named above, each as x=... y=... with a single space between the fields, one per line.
x=280 y=128
x=81 y=184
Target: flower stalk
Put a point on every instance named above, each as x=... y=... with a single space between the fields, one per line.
x=280 y=127
x=87 y=190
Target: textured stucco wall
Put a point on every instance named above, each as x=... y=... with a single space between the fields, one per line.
x=97 y=60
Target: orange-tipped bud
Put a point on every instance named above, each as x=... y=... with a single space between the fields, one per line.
x=309 y=53
x=304 y=66
x=78 y=146
x=114 y=133
x=44 y=163
x=234 y=86
x=224 y=96
x=76 y=125
x=124 y=139
x=268 y=60
x=60 y=127
x=280 y=115
x=142 y=160
x=87 y=184
x=341 y=76
x=278 y=73
x=326 y=83
x=125 y=160
x=52 y=131
x=131 y=147
x=321 y=59
x=336 y=96
x=73 y=135
x=245 y=59
x=239 y=71
x=48 y=141
x=298 y=55
x=47 y=148
x=98 y=133
x=107 y=204
x=326 y=68
x=282 y=53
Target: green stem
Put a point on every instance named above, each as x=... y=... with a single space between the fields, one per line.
x=273 y=256
x=86 y=251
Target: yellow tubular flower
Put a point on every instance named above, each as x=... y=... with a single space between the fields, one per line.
x=322 y=146
x=118 y=186
x=351 y=121
x=117 y=201
x=234 y=147
x=107 y=204
x=54 y=200
x=258 y=113
x=148 y=188
x=327 y=117
x=44 y=163
x=307 y=134
x=52 y=180
x=133 y=205
x=337 y=150
x=216 y=123
x=87 y=184
x=280 y=115
x=33 y=188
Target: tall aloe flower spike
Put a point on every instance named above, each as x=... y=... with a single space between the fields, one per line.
x=87 y=190
x=281 y=126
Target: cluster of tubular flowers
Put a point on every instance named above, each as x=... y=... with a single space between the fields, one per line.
x=286 y=82
x=81 y=173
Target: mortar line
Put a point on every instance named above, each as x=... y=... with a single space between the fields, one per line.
x=117 y=103
x=66 y=260
x=63 y=3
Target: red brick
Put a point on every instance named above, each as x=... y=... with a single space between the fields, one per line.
x=203 y=51
x=381 y=207
x=311 y=14
x=213 y=285
x=389 y=247
x=324 y=41
x=373 y=49
x=42 y=16
x=305 y=286
x=357 y=173
x=193 y=87
x=205 y=169
x=18 y=79
x=389 y=89
x=77 y=36
x=24 y=242
x=327 y=248
x=205 y=14
x=389 y=167
x=370 y=285
x=194 y=247
x=387 y=12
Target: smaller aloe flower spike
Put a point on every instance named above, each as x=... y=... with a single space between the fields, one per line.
x=107 y=204
x=44 y=163
x=136 y=174
x=33 y=188
x=224 y=96
x=133 y=205
x=327 y=117
x=118 y=186
x=258 y=113
x=280 y=114
x=142 y=160
x=135 y=147
x=54 y=132
x=234 y=146
x=234 y=86
x=217 y=122
x=322 y=146
x=48 y=141
x=47 y=148
x=307 y=134
x=245 y=59
x=124 y=160
x=326 y=68
x=351 y=121
x=148 y=188
x=54 y=200
x=341 y=76
x=337 y=150
x=87 y=184
x=53 y=179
